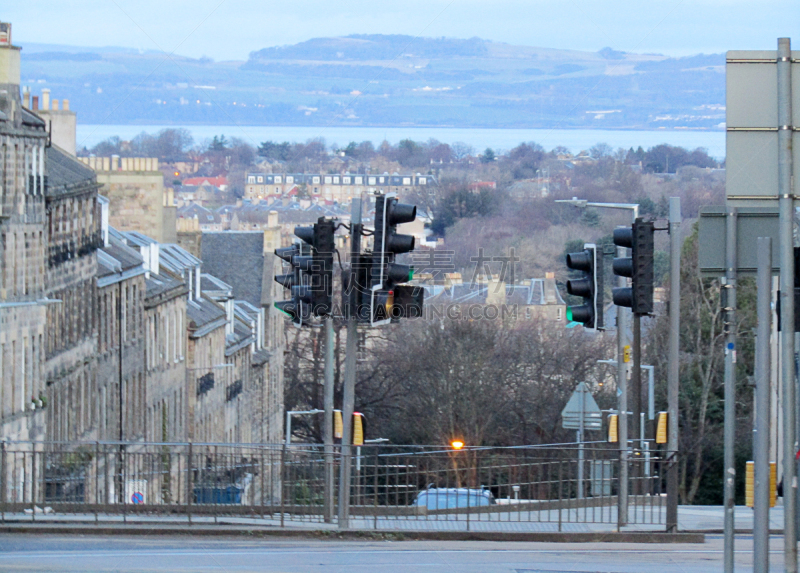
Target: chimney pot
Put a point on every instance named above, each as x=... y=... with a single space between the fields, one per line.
x=35 y=105
x=65 y=105
x=55 y=105
x=26 y=97
x=46 y=99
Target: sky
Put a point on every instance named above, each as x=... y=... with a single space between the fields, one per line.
x=231 y=29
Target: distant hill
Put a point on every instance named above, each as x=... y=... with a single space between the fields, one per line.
x=387 y=80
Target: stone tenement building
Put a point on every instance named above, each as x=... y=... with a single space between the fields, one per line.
x=108 y=334
x=139 y=201
x=23 y=305
x=330 y=187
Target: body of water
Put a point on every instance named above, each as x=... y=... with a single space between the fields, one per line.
x=498 y=139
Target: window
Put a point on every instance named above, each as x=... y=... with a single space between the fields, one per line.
x=260 y=179
x=278 y=179
x=315 y=180
x=251 y=179
x=328 y=179
x=422 y=181
x=335 y=180
x=371 y=181
x=406 y=180
x=346 y=180
x=290 y=179
x=359 y=180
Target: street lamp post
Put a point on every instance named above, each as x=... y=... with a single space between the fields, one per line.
x=622 y=390
x=290 y=413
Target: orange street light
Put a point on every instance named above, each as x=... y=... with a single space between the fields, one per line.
x=457 y=444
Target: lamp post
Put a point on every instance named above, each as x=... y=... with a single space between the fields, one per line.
x=289 y=414
x=622 y=390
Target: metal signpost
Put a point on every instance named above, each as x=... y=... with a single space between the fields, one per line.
x=581 y=413
x=759 y=158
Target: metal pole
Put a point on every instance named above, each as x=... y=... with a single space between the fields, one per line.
x=730 y=389
x=761 y=437
x=786 y=234
x=673 y=372
x=580 y=442
x=636 y=386
x=622 y=408
x=327 y=433
x=348 y=401
x=288 y=438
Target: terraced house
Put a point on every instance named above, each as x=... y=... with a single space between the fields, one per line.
x=109 y=334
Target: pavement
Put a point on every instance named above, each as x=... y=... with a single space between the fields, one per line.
x=590 y=524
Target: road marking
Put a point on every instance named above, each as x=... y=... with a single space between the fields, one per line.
x=183 y=553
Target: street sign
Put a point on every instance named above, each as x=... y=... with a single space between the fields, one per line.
x=581 y=405
x=751 y=223
x=752 y=127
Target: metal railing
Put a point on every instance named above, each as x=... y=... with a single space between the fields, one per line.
x=527 y=484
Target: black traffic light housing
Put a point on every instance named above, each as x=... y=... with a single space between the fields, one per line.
x=385 y=274
x=299 y=257
x=311 y=279
x=638 y=267
x=589 y=286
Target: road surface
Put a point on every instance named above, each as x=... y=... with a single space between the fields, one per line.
x=24 y=552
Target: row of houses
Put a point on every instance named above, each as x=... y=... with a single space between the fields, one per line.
x=331 y=187
x=109 y=334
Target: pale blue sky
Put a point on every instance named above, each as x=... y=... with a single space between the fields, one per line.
x=230 y=29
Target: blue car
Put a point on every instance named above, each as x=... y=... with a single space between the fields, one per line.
x=453 y=498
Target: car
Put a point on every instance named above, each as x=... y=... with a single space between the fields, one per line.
x=452 y=498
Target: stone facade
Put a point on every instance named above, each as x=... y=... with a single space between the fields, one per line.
x=23 y=241
x=108 y=334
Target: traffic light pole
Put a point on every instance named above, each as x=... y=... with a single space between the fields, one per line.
x=673 y=371
x=786 y=238
x=327 y=432
x=622 y=390
x=636 y=407
x=729 y=479
x=348 y=400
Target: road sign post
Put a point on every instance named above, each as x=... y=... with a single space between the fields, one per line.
x=581 y=413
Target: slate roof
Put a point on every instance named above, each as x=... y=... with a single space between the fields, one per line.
x=204 y=316
x=159 y=284
x=117 y=261
x=30 y=118
x=65 y=174
x=236 y=258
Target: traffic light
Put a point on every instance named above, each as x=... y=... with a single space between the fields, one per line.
x=638 y=267
x=299 y=257
x=322 y=267
x=589 y=286
x=311 y=279
x=386 y=300
x=357 y=431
